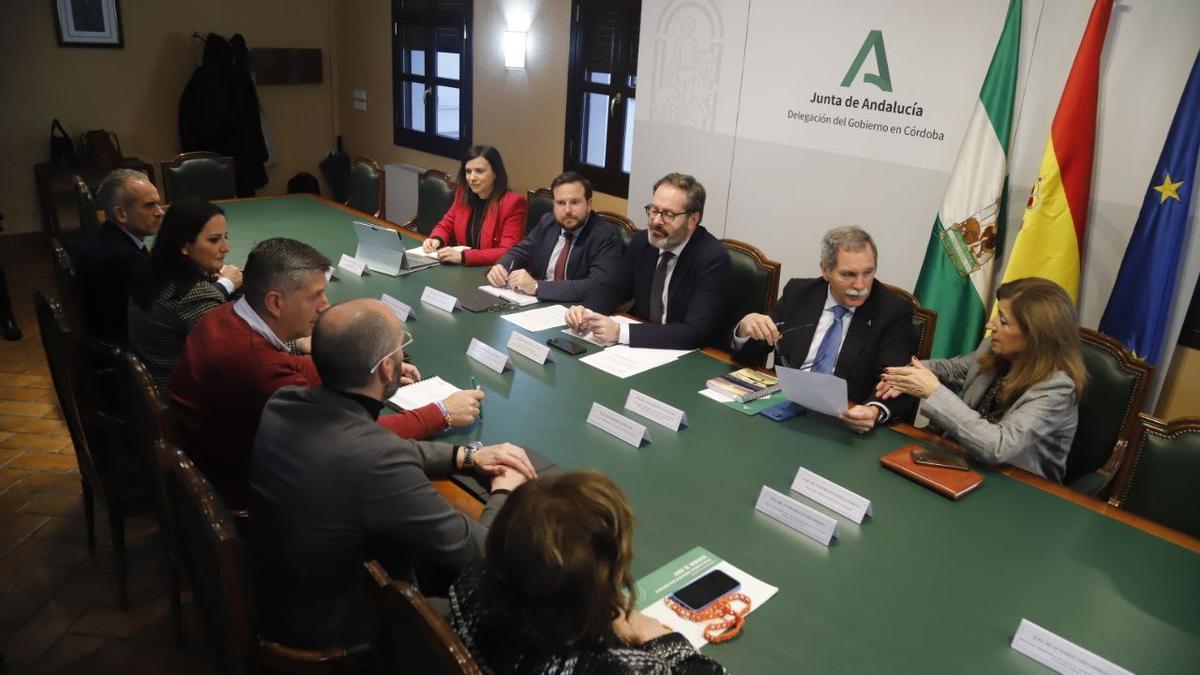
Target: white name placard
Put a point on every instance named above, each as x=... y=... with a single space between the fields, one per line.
x=618 y=425
x=655 y=410
x=1060 y=655
x=443 y=301
x=402 y=310
x=803 y=519
x=528 y=347
x=488 y=355
x=831 y=495
x=352 y=265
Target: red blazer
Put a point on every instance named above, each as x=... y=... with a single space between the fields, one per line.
x=503 y=226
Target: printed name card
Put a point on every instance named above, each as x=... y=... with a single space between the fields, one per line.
x=831 y=495
x=436 y=298
x=1058 y=654
x=487 y=355
x=352 y=265
x=618 y=425
x=801 y=518
x=655 y=410
x=402 y=310
x=528 y=347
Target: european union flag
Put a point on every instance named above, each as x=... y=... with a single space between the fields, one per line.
x=1137 y=309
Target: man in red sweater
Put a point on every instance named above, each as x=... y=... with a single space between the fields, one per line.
x=236 y=357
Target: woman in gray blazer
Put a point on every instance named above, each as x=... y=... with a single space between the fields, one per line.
x=1015 y=399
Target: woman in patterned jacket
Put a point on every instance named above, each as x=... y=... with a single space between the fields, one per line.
x=187 y=277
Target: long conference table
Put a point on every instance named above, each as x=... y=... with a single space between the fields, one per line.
x=924 y=585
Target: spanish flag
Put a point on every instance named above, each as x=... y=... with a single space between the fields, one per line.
x=1050 y=241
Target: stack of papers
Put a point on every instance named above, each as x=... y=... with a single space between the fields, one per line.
x=421 y=394
x=509 y=295
x=623 y=360
x=542 y=318
x=419 y=251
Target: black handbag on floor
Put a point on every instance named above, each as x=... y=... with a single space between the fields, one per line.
x=62 y=148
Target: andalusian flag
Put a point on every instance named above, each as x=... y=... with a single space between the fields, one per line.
x=1050 y=241
x=1141 y=299
x=956 y=277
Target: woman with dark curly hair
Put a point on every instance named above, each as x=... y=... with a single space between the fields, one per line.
x=555 y=595
x=187 y=277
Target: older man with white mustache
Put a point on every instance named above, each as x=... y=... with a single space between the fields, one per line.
x=844 y=322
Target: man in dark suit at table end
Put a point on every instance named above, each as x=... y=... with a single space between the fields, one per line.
x=677 y=273
x=112 y=259
x=568 y=248
x=844 y=322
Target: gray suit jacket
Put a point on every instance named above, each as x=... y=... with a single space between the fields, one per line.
x=1035 y=433
x=331 y=488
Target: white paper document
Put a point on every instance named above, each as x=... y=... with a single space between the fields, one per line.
x=819 y=392
x=624 y=361
x=588 y=336
x=421 y=394
x=432 y=255
x=1060 y=655
x=542 y=318
x=509 y=295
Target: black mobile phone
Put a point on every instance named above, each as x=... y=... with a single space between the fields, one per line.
x=706 y=590
x=946 y=460
x=569 y=346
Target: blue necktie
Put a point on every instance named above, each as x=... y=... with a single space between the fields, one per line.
x=827 y=353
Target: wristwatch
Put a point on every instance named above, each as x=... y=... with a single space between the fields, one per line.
x=469 y=451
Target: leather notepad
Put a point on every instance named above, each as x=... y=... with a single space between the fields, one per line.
x=952 y=483
x=476 y=300
x=478 y=485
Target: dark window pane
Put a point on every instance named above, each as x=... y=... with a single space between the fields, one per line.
x=448 y=112
x=594 y=139
x=632 y=40
x=601 y=40
x=412 y=42
x=449 y=52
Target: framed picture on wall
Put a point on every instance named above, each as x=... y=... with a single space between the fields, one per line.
x=88 y=23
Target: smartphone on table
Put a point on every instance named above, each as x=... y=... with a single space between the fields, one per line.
x=945 y=460
x=567 y=345
x=706 y=590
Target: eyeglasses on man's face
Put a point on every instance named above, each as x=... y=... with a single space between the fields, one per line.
x=407 y=341
x=653 y=212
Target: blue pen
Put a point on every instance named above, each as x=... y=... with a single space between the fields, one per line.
x=476 y=386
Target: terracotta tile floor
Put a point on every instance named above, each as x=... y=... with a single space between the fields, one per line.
x=58 y=604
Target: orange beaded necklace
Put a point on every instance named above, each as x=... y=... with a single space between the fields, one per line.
x=730 y=621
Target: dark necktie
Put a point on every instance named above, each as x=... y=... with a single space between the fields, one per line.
x=827 y=353
x=560 y=267
x=656 y=289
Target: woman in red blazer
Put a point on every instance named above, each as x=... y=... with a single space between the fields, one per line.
x=486 y=217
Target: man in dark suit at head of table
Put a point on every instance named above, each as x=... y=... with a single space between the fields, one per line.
x=844 y=322
x=112 y=259
x=565 y=252
x=676 y=272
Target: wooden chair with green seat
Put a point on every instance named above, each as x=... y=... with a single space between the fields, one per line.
x=198 y=175
x=754 y=281
x=435 y=194
x=96 y=433
x=625 y=226
x=64 y=280
x=1108 y=409
x=924 y=323
x=1159 y=479
x=217 y=572
x=365 y=190
x=539 y=202
x=149 y=422
x=407 y=635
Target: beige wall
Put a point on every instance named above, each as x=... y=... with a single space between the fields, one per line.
x=135 y=91
x=521 y=112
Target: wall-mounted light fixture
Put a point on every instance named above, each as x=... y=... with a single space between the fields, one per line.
x=514 y=49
